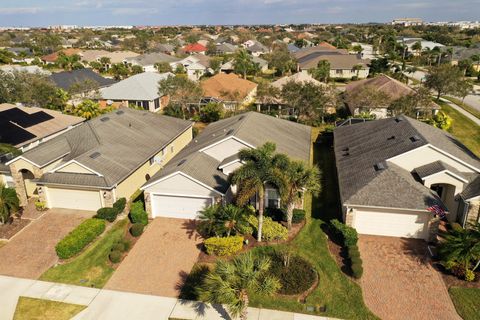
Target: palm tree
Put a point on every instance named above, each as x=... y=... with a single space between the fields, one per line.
x=9 y=203
x=462 y=246
x=87 y=109
x=105 y=61
x=298 y=178
x=229 y=283
x=242 y=62
x=232 y=219
x=208 y=219
x=357 y=69
x=261 y=166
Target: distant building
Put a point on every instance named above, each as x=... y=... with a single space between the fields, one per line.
x=407 y=22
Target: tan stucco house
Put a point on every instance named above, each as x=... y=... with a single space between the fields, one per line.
x=392 y=172
x=100 y=161
x=198 y=176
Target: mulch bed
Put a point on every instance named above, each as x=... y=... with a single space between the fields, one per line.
x=453 y=281
x=8 y=230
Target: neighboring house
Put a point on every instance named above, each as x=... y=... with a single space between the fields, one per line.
x=68 y=79
x=29 y=69
x=195 y=65
x=198 y=176
x=100 y=161
x=392 y=172
x=194 y=48
x=226 y=48
x=407 y=22
x=462 y=53
x=255 y=48
x=148 y=60
x=394 y=89
x=165 y=48
x=52 y=57
x=322 y=49
x=299 y=77
x=292 y=48
x=18 y=51
x=230 y=89
x=114 y=56
x=341 y=65
x=140 y=90
x=409 y=42
x=228 y=66
x=27 y=127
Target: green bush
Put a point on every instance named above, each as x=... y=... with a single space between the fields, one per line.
x=353 y=252
x=357 y=270
x=225 y=246
x=136 y=229
x=138 y=213
x=109 y=214
x=79 y=238
x=119 y=246
x=115 y=256
x=349 y=234
x=277 y=214
x=298 y=215
x=127 y=244
x=469 y=275
x=271 y=230
x=211 y=112
x=245 y=229
x=295 y=276
x=119 y=205
x=456 y=226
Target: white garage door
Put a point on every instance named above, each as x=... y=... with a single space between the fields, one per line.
x=74 y=199
x=178 y=206
x=411 y=225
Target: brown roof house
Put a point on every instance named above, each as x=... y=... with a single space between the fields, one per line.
x=386 y=86
x=344 y=66
x=229 y=89
x=52 y=57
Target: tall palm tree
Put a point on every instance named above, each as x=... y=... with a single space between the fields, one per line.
x=299 y=178
x=232 y=218
x=262 y=166
x=9 y=203
x=88 y=109
x=229 y=283
x=242 y=62
x=208 y=219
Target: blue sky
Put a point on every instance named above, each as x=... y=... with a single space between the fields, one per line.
x=165 y=12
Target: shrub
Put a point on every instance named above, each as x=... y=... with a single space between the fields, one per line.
x=245 y=229
x=456 y=226
x=349 y=234
x=277 y=214
x=223 y=246
x=138 y=213
x=296 y=276
x=119 y=246
x=40 y=205
x=79 y=238
x=136 y=229
x=119 y=205
x=353 y=252
x=109 y=214
x=298 y=215
x=127 y=244
x=115 y=256
x=211 y=112
x=357 y=270
x=469 y=275
x=271 y=229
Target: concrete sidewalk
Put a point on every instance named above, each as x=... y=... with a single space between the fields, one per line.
x=462 y=111
x=117 y=305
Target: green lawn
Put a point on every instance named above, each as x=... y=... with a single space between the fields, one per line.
x=92 y=267
x=465 y=106
x=341 y=296
x=38 y=309
x=467 y=302
x=464 y=129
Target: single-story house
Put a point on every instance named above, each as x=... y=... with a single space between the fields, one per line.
x=228 y=67
x=392 y=88
x=140 y=89
x=425 y=44
x=165 y=48
x=395 y=173
x=299 y=77
x=255 y=48
x=194 y=48
x=341 y=65
x=323 y=48
x=148 y=60
x=226 y=48
x=52 y=57
x=114 y=56
x=69 y=79
x=230 y=89
x=195 y=65
x=100 y=161
x=198 y=176
x=12 y=68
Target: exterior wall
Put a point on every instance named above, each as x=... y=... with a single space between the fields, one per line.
x=380 y=113
x=35 y=143
x=74 y=168
x=348 y=73
x=180 y=185
x=24 y=188
x=225 y=149
x=7 y=180
x=473 y=212
x=425 y=155
x=452 y=186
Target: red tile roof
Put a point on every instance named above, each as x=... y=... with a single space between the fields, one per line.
x=195 y=47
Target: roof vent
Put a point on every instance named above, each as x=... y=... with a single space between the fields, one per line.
x=104 y=119
x=391 y=138
x=346 y=149
x=380 y=166
x=241 y=118
x=415 y=138
x=230 y=132
x=346 y=154
x=119 y=112
x=398 y=119
x=181 y=162
x=95 y=155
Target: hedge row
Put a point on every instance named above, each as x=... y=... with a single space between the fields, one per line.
x=271 y=230
x=279 y=214
x=79 y=238
x=225 y=246
x=138 y=213
x=355 y=261
x=110 y=214
x=349 y=234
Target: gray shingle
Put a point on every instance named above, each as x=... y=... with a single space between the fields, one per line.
x=472 y=190
x=436 y=167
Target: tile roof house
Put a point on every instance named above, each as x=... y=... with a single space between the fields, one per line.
x=140 y=89
x=198 y=175
x=393 y=88
x=100 y=161
x=231 y=89
x=148 y=60
x=52 y=57
x=67 y=79
x=393 y=171
x=195 y=48
x=195 y=65
x=299 y=77
x=341 y=65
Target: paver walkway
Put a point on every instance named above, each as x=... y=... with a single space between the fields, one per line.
x=32 y=251
x=160 y=259
x=116 y=305
x=399 y=283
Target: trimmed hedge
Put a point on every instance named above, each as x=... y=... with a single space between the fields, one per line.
x=271 y=230
x=115 y=256
x=277 y=214
x=120 y=204
x=79 y=238
x=295 y=277
x=298 y=215
x=109 y=214
x=357 y=268
x=138 y=213
x=349 y=234
x=225 y=246
x=136 y=229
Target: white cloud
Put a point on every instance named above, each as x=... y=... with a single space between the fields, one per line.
x=19 y=10
x=133 y=11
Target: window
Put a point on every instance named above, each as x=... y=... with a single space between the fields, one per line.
x=273 y=199
x=338 y=71
x=152 y=161
x=171 y=149
x=157 y=103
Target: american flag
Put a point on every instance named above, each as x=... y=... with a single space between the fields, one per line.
x=437 y=210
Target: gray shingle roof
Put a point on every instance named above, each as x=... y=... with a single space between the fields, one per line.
x=253 y=128
x=123 y=142
x=148 y=59
x=360 y=147
x=472 y=190
x=436 y=167
x=66 y=79
x=140 y=87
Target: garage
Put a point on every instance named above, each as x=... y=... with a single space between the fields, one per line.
x=74 y=199
x=395 y=224
x=182 y=207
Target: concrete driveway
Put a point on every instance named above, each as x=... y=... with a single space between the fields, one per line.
x=32 y=251
x=399 y=283
x=160 y=259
